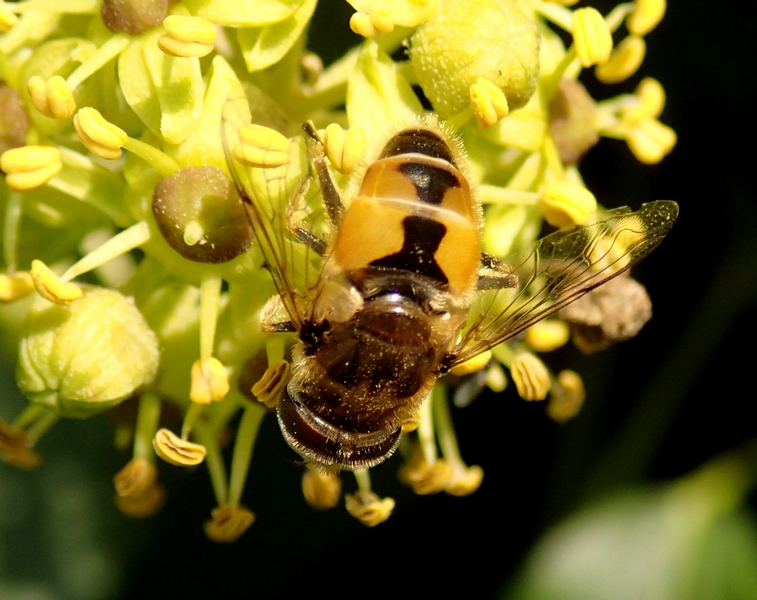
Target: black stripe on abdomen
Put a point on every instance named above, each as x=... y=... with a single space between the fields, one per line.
x=422 y=239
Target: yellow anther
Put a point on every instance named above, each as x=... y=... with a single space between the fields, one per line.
x=567 y=397
x=565 y=203
x=488 y=102
x=472 y=365
x=591 y=36
x=187 y=36
x=646 y=16
x=651 y=96
x=650 y=141
x=423 y=477
x=269 y=388
x=624 y=60
x=321 y=490
x=370 y=25
x=210 y=381
x=411 y=424
x=261 y=147
x=368 y=508
x=382 y=20
x=138 y=475
x=464 y=480
x=99 y=136
x=190 y=29
x=496 y=380
x=228 y=523
x=344 y=148
x=565 y=2
x=530 y=376
x=176 y=451
x=53 y=98
x=547 y=335
x=14 y=448
x=7 y=19
x=29 y=167
x=143 y=505
x=51 y=287
x=15 y=286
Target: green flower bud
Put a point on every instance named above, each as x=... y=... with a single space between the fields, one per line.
x=85 y=357
x=466 y=41
x=201 y=216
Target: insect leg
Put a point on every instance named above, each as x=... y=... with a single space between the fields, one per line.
x=331 y=199
x=493 y=274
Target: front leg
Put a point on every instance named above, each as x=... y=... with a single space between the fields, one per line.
x=331 y=199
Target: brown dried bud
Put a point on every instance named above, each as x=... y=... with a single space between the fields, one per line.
x=133 y=16
x=572 y=121
x=201 y=216
x=13 y=119
x=611 y=313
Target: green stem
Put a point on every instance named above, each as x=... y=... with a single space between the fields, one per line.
x=214 y=462
x=363 y=478
x=243 y=447
x=148 y=416
x=11 y=227
x=41 y=426
x=445 y=431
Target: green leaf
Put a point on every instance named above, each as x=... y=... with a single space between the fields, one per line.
x=264 y=46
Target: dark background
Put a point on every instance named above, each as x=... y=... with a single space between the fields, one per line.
x=657 y=406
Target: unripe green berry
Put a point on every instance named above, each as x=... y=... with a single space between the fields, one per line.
x=85 y=357
x=465 y=41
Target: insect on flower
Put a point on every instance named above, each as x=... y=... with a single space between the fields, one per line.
x=389 y=289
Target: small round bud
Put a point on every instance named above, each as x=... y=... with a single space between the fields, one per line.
x=321 y=489
x=228 y=523
x=564 y=203
x=572 y=119
x=177 y=451
x=368 y=508
x=461 y=45
x=624 y=61
x=567 y=397
x=133 y=16
x=29 y=167
x=530 y=376
x=85 y=357
x=199 y=213
x=210 y=381
x=591 y=36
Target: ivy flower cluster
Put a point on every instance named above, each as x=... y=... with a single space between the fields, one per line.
x=130 y=272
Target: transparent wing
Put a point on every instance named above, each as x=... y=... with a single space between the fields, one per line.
x=277 y=199
x=559 y=269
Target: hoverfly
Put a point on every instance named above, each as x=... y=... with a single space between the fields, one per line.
x=388 y=289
